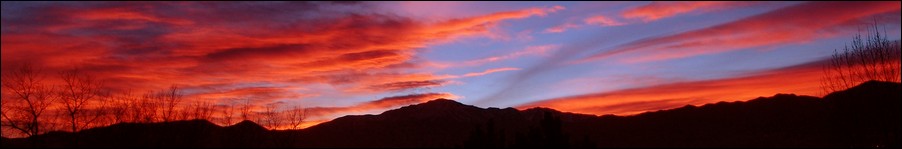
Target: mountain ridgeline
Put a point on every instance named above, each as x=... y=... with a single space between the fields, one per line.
x=867 y=115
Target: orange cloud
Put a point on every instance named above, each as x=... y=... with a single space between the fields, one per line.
x=220 y=52
x=802 y=79
x=561 y=28
x=227 y=48
x=602 y=21
x=794 y=24
x=490 y=71
x=259 y=95
x=399 y=86
x=659 y=10
x=126 y=13
x=480 y=24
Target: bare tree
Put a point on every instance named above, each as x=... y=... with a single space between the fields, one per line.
x=202 y=110
x=30 y=100
x=77 y=90
x=871 y=58
x=227 y=112
x=270 y=116
x=184 y=112
x=296 y=117
x=246 y=110
x=170 y=98
x=102 y=110
x=95 y=116
x=147 y=108
x=120 y=106
x=4 y=102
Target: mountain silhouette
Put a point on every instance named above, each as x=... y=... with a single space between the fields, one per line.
x=247 y=125
x=867 y=115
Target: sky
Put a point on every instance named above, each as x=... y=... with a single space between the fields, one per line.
x=347 y=58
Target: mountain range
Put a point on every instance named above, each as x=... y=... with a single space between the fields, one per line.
x=867 y=115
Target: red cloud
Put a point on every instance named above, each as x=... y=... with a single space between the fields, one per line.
x=259 y=95
x=399 y=86
x=260 y=51
x=233 y=46
x=794 y=24
x=659 y=10
x=802 y=79
x=481 y=24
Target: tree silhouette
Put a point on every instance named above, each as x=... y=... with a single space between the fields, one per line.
x=147 y=108
x=296 y=117
x=77 y=90
x=245 y=109
x=32 y=106
x=170 y=98
x=870 y=58
x=30 y=100
x=201 y=109
x=119 y=107
x=228 y=111
x=270 y=116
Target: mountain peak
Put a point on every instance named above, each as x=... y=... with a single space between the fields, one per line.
x=247 y=125
x=440 y=105
x=442 y=101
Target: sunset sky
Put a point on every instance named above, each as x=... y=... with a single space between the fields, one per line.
x=367 y=57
